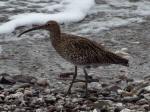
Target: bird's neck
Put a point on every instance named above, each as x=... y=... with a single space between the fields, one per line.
x=55 y=34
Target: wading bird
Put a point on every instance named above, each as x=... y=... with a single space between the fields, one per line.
x=79 y=51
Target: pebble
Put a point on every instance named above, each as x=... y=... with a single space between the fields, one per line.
x=142 y=102
x=42 y=82
x=39 y=110
x=24 y=78
x=7 y=80
x=108 y=98
x=50 y=99
x=51 y=108
x=28 y=93
x=147 y=88
x=37 y=102
x=47 y=91
x=18 y=95
x=120 y=105
x=95 y=110
x=95 y=85
x=146 y=107
x=130 y=99
x=126 y=110
x=147 y=96
x=103 y=104
x=16 y=87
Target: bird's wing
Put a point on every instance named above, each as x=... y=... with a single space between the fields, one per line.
x=92 y=52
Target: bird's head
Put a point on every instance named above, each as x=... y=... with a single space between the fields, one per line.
x=50 y=26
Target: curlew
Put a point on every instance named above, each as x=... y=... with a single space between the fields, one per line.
x=79 y=51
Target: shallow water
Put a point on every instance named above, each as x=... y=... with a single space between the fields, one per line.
x=109 y=22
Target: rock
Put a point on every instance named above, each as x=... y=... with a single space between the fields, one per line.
x=50 y=99
x=126 y=110
x=114 y=88
x=37 y=102
x=24 y=78
x=76 y=100
x=39 y=110
x=59 y=107
x=51 y=108
x=20 y=90
x=16 y=87
x=96 y=110
x=2 y=98
x=142 y=102
x=103 y=104
x=19 y=96
x=28 y=93
x=146 y=107
x=42 y=82
x=47 y=91
x=147 y=96
x=130 y=99
x=94 y=85
x=17 y=110
x=120 y=105
x=105 y=93
x=1 y=88
x=7 y=80
x=117 y=109
x=147 y=88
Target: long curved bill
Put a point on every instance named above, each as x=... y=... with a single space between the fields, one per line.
x=32 y=29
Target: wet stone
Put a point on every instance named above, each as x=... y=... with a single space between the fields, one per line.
x=42 y=82
x=147 y=88
x=7 y=80
x=126 y=110
x=28 y=93
x=50 y=99
x=103 y=104
x=142 y=102
x=24 y=78
x=130 y=99
x=147 y=96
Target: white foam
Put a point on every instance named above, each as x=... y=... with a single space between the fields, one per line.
x=2 y=3
x=97 y=26
x=75 y=10
x=143 y=6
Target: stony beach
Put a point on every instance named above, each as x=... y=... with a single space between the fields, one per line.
x=31 y=77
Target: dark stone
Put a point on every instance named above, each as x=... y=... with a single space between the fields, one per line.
x=104 y=110
x=24 y=78
x=1 y=88
x=7 y=80
x=130 y=99
x=117 y=110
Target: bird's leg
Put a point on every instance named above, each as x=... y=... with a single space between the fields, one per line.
x=86 y=82
x=73 y=80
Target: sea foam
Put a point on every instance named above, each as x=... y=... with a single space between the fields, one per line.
x=74 y=11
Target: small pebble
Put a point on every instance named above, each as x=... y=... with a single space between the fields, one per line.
x=28 y=93
x=147 y=88
x=125 y=110
x=42 y=82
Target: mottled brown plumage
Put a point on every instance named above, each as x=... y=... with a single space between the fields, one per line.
x=78 y=50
